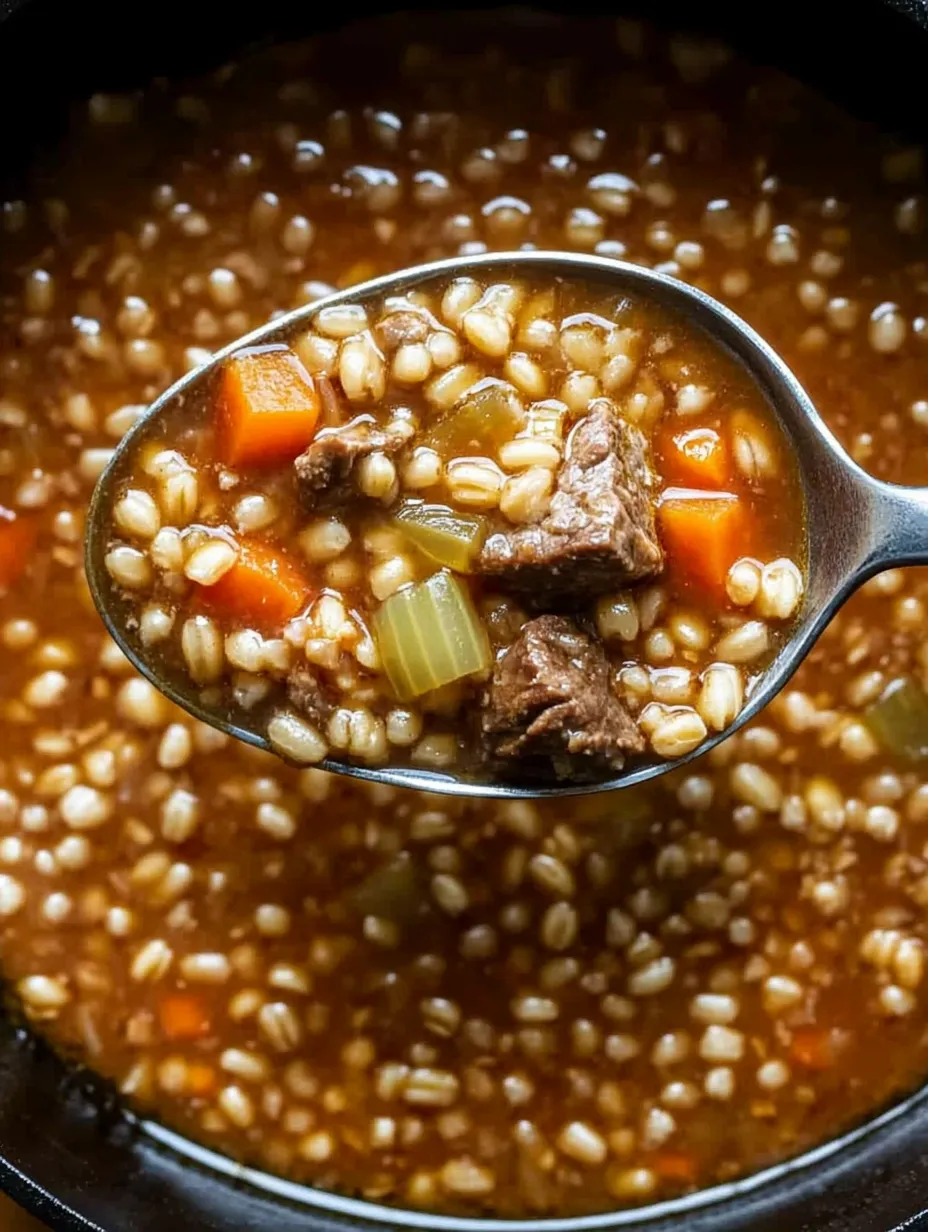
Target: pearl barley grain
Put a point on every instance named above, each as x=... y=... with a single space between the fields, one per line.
x=721 y=1044
x=887 y=328
x=137 y=514
x=46 y=690
x=582 y=1143
x=128 y=567
x=85 y=808
x=12 y=895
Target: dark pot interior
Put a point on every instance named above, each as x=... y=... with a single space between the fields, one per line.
x=66 y=1151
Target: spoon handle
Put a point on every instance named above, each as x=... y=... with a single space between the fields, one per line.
x=897 y=528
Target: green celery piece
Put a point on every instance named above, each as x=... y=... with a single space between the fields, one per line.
x=489 y=414
x=429 y=635
x=444 y=535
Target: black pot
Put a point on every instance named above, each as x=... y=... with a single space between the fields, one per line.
x=67 y=1151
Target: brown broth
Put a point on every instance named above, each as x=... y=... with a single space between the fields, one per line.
x=787 y=871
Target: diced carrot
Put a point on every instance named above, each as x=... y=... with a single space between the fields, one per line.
x=201 y=1079
x=675 y=1166
x=268 y=407
x=813 y=1048
x=183 y=1016
x=703 y=534
x=264 y=588
x=17 y=540
x=694 y=457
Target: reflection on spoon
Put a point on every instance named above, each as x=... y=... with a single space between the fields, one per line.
x=509 y=525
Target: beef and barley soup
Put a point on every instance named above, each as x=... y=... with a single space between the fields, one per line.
x=391 y=538
x=495 y=1007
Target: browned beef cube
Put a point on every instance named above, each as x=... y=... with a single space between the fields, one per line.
x=599 y=531
x=551 y=705
x=325 y=471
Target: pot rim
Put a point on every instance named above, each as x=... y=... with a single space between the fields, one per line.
x=371 y=1214
x=766 y=1186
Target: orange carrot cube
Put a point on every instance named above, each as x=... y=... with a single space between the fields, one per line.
x=268 y=407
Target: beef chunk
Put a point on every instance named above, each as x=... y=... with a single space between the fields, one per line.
x=551 y=706
x=599 y=531
x=325 y=471
x=306 y=695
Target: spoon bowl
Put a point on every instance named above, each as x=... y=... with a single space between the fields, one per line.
x=855 y=525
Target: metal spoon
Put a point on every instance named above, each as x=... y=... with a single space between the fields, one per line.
x=856 y=525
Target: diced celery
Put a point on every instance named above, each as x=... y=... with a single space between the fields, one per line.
x=899 y=719
x=429 y=635
x=445 y=536
x=490 y=414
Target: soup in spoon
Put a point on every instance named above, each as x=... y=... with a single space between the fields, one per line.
x=501 y=525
